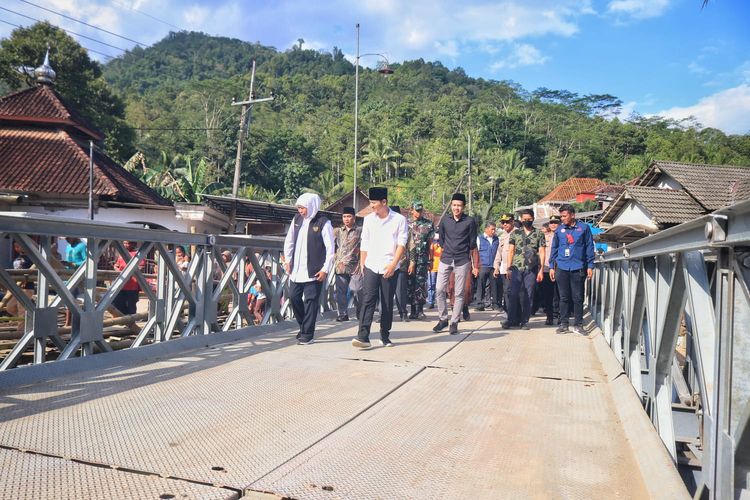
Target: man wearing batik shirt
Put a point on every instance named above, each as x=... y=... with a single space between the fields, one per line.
x=346 y=261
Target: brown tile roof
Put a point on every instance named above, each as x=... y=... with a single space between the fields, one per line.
x=668 y=206
x=51 y=162
x=713 y=186
x=42 y=104
x=567 y=190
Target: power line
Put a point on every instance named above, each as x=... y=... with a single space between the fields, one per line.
x=148 y=15
x=82 y=22
x=67 y=31
x=87 y=48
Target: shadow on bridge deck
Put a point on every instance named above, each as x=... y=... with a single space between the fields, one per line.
x=484 y=414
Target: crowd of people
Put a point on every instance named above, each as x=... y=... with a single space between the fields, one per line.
x=416 y=265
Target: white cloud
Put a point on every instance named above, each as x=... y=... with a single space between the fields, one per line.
x=638 y=9
x=522 y=54
x=448 y=48
x=727 y=110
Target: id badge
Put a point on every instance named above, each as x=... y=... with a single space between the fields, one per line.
x=567 y=252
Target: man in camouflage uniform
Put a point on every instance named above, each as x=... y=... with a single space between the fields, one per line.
x=421 y=232
x=526 y=251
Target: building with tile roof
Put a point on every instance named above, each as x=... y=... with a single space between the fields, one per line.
x=573 y=190
x=44 y=166
x=670 y=193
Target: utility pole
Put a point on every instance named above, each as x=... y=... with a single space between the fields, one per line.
x=244 y=125
x=468 y=169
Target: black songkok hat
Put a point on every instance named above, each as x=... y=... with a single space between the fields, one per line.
x=378 y=193
x=349 y=210
x=460 y=197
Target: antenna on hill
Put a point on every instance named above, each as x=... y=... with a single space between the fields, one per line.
x=244 y=125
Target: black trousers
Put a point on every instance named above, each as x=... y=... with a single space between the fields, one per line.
x=486 y=287
x=305 y=300
x=402 y=291
x=126 y=301
x=522 y=286
x=342 y=295
x=373 y=286
x=571 y=284
x=550 y=297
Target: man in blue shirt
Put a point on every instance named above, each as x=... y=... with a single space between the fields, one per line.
x=571 y=261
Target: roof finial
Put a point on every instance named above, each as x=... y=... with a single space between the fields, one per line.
x=44 y=74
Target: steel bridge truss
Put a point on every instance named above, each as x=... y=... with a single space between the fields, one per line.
x=675 y=309
x=181 y=302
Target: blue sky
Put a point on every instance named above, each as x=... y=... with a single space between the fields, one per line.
x=667 y=57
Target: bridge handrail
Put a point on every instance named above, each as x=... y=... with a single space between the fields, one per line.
x=687 y=286
x=181 y=303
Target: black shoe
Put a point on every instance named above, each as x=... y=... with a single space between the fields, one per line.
x=549 y=321
x=479 y=308
x=562 y=330
x=453 y=329
x=339 y=319
x=524 y=326
x=413 y=315
x=507 y=325
x=431 y=306
x=440 y=325
x=465 y=313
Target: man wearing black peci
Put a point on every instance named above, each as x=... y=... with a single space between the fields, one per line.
x=384 y=235
x=458 y=234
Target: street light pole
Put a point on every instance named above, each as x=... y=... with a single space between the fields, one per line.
x=356 y=120
x=384 y=69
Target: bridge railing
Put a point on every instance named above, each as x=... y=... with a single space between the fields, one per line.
x=675 y=309
x=211 y=295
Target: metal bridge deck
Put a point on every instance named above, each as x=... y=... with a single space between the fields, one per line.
x=485 y=414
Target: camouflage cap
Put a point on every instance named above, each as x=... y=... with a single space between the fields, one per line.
x=417 y=205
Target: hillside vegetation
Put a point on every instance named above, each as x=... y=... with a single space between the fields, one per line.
x=414 y=126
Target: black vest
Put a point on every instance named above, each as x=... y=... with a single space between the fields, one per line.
x=316 y=248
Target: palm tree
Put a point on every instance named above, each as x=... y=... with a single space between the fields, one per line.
x=378 y=156
x=327 y=187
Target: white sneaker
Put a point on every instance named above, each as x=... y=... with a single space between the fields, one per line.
x=305 y=342
x=361 y=345
x=578 y=330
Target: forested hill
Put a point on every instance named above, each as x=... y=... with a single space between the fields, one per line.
x=413 y=126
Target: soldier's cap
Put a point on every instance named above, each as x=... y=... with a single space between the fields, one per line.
x=555 y=219
x=506 y=217
x=417 y=205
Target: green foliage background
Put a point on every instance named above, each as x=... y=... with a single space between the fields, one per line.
x=175 y=99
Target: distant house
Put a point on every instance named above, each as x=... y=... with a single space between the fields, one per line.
x=573 y=190
x=44 y=160
x=348 y=201
x=670 y=193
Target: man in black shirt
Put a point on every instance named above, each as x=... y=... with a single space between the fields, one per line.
x=458 y=234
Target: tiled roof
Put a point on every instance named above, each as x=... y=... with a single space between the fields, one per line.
x=668 y=206
x=51 y=162
x=42 y=104
x=567 y=190
x=713 y=186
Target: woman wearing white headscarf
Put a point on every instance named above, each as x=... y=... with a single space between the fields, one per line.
x=308 y=252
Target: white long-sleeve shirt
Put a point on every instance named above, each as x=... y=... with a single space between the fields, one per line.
x=300 y=273
x=381 y=237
